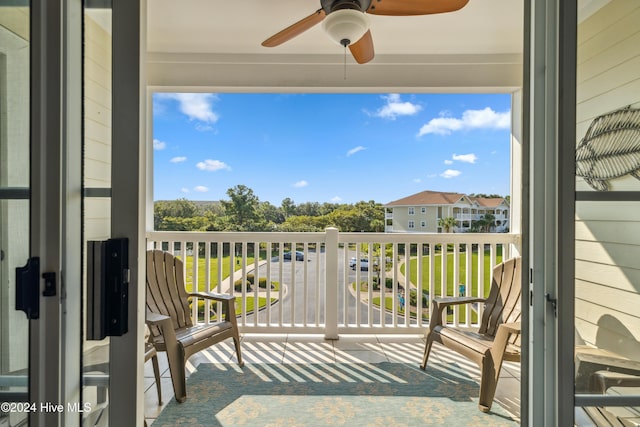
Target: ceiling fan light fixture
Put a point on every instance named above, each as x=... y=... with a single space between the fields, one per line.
x=346 y=26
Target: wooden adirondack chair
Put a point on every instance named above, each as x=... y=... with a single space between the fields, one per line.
x=498 y=337
x=169 y=317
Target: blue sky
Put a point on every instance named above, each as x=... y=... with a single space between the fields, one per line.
x=339 y=148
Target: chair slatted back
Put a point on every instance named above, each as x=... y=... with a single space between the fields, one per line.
x=165 y=289
x=503 y=302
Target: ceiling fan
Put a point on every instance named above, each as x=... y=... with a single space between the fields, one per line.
x=347 y=22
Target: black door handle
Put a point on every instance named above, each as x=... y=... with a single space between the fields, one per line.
x=27 y=287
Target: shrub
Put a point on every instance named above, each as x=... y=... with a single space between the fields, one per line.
x=237 y=285
x=388 y=282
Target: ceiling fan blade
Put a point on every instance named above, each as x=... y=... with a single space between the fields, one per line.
x=296 y=29
x=414 y=7
x=362 y=50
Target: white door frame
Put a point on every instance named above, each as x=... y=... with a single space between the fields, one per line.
x=551 y=44
x=128 y=203
x=55 y=133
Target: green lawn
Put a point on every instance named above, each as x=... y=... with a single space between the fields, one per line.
x=226 y=270
x=388 y=305
x=452 y=288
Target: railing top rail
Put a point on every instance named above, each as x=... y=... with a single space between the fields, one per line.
x=429 y=237
x=239 y=236
x=350 y=237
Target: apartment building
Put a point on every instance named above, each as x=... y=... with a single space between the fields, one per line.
x=422 y=212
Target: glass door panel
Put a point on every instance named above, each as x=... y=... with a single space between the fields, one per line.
x=607 y=225
x=14 y=207
x=96 y=183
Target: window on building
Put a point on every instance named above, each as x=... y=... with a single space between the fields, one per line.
x=423 y=224
x=412 y=225
x=412 y=211
x=423 y=210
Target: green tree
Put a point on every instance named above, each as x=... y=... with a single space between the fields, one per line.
x=447 y=223
x=241 y=212
x=180 y=208
x=305 y=223
x=288 y=207
x=270 y=213
x=489 y=220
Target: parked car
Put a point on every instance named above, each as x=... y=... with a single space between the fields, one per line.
x=364 y=264
x=299 y=256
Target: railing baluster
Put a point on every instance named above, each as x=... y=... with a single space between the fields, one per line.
x=394 y=288
x=194 y=279
x=372 y=270
x=456 y=282
x=468 y=281
x=331 y=284
x=256 y=282
x=383 y=284
x=317 y=284
x=419 y=272
x=305 y=284
x=432 y=275
x=358 y=269
x=219 y=256
x=481 y=289
x=269 y=256
x=207 y=281
x=406 y=294
x=243 y=280
x=280 y=280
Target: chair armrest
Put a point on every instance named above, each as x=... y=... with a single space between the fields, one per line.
x=603 y=380
x=156 y=319
x=439 y=305
x=227 y=300
x=511 y=328
x=212 y=296
x=502 y=338
x=446 y=301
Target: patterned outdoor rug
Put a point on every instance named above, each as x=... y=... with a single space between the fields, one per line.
x=336 y=394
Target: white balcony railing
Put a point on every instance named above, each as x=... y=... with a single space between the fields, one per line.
x=314 y=290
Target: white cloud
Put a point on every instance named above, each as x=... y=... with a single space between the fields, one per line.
x=450 y=173
x=448 y=162
x=185 y=190
x=466 y=158
x=471 y=119
x=201 y=189
x=196 y=106
x=336 y=199
x=417 y=180
x=212 y=165
x=159 y=145
x=301 y=184
x=355 y=150
x=178 y=159
x=395 y=107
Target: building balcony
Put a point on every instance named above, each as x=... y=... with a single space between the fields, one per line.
x=318 y=314
x=314 y=292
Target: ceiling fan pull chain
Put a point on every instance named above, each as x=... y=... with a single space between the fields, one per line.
x=345 y=62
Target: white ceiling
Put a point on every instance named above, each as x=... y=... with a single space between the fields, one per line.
x=209 y=44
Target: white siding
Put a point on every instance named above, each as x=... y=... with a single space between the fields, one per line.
x=608 y=234
x=97 y=127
